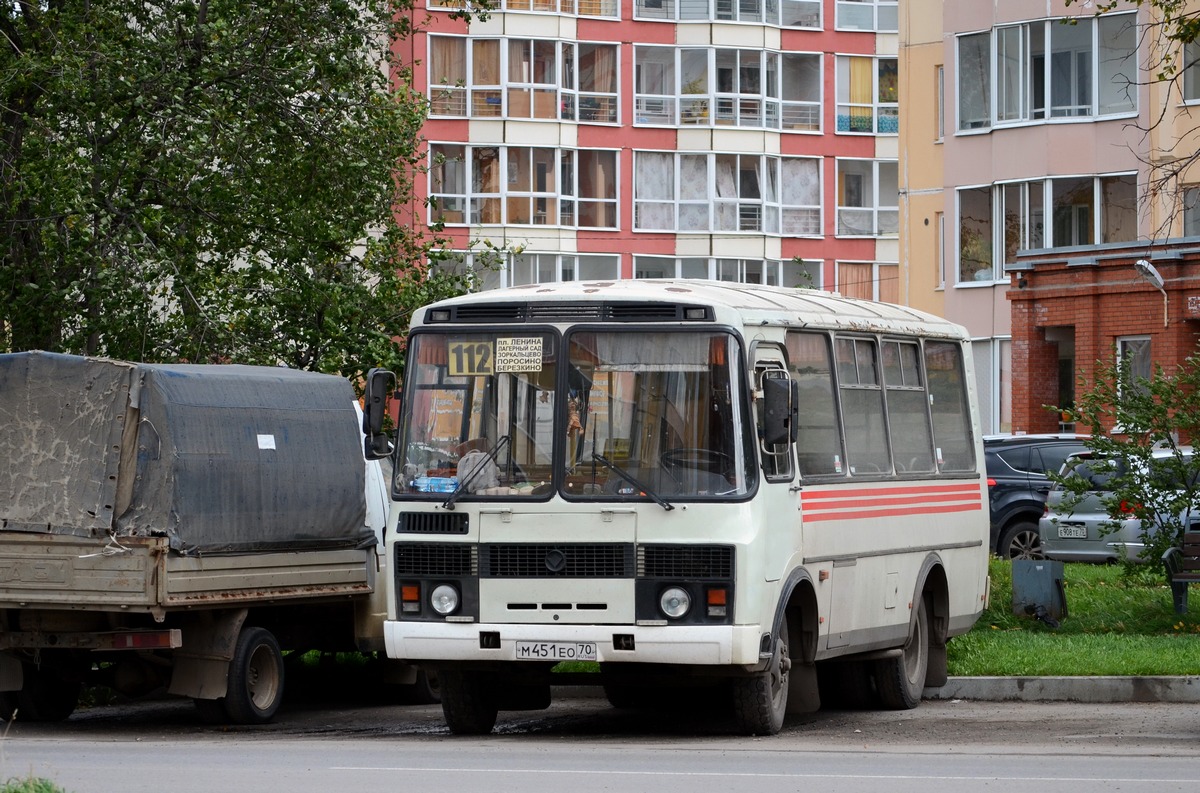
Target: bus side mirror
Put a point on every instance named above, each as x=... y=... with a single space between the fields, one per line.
x=376 y=443
x=781 y=410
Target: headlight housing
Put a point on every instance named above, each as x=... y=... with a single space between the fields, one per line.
x=444 y=599
x=674 y=602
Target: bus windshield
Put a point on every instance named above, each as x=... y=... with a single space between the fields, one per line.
x=623 y=415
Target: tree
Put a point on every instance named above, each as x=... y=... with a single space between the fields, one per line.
x=210 y=180
x=1139 y=430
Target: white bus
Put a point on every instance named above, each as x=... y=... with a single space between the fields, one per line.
x=730 y=487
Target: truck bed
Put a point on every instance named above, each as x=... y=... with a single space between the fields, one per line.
x=140 y=574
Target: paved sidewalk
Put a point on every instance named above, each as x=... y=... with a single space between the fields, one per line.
x=1070 y=689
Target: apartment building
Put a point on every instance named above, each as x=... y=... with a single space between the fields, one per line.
x=1033 y=141
x=743 y=140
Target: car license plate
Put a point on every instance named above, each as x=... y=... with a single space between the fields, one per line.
x=1072 y=531
x=556 y=651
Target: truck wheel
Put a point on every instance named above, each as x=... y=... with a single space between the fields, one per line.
x=901 y=680
x=255 y=688
x=468 y=704
x=760 y=701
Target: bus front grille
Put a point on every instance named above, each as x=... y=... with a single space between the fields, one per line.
x=435 y=559
x=560 y=560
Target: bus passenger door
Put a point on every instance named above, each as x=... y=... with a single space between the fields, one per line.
x=779 y=498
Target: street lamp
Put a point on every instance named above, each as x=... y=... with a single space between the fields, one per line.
x=1151 y=275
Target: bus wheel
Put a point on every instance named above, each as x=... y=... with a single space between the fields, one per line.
x=468 y=705
x=760 y=701
x=901 y=680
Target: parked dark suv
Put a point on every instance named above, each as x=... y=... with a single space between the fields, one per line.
x=1018 y=483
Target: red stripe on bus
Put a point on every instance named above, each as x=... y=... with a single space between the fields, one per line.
x=872 y=501
x=858 y=514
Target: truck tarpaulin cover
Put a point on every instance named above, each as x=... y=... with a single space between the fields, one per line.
x=219 y=459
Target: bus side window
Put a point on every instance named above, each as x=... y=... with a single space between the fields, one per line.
x=818 y=444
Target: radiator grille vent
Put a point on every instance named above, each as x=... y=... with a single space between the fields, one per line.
x=435 y=559
x=704 y=562
x=538 y=560
x=432 y=523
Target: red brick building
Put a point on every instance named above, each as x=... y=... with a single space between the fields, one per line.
x=1073 y=307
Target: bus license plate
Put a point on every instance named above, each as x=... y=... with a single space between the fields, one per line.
x=556 y=651
x=1072 y=531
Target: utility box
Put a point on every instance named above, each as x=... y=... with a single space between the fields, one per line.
x=1038 y=589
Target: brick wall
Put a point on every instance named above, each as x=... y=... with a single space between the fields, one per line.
x=1101 y=297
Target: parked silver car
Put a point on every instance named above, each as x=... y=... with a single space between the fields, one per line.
x=1094 y=529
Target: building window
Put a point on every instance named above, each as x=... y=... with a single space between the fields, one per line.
x=939 y=108
x=975 y=234
x=785 y=13
x=523 y=185
x=974 y=77
x=726 y=87
x=878 y=281
x=1191 y=211
x=1191 y=72
x=726 y=192
x=939 y=242
x=1049 y=69
x=866 y=95
x=1078 y=210
x=542 y=79
x=877 y=15
x=1133 y=353
x=595 y=8
x=868 y=195
x=543 y=268
x=771 y=272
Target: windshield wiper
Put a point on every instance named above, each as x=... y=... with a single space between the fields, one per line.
x=628 y=477
x=462 y=485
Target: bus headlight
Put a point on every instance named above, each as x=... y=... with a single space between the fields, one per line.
x=444 y=599
x=674 y=602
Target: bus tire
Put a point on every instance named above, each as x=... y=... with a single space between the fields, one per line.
x=255 y=689
x=901 y=680
x=468 y=705
x=760 y=701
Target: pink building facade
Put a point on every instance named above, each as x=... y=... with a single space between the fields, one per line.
x=751 y=141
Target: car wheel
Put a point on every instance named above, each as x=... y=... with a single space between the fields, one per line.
x=1022 y=541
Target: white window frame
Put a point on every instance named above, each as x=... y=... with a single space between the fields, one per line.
x=879 y=110
x=806 y=14
x=583 y=8
x=1131 y=347
x=711 y=107
x=871 y=205
x=883 y=15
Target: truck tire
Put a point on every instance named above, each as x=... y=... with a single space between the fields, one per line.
x=760 y=701
x=255 y=688
x=468 y=703
x=901 y=680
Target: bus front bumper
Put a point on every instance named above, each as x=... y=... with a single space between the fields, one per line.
x=703 y=645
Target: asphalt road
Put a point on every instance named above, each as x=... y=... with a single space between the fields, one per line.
x=582 y=745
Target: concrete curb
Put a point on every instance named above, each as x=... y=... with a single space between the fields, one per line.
x=1095 y=689
x=1069 y=689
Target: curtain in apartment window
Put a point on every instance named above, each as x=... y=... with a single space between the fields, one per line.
x=861 y=94
x=889 y=282
x=447 y=60
x=654 y=190
x=856 y=280
x=485 y=75
x=693 y=192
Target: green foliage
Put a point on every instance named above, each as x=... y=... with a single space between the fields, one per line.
x=1157 y=480
x=1116 y=625
x=210 y=180
x=30 y=785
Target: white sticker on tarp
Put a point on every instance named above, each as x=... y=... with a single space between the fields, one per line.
x=266 y=441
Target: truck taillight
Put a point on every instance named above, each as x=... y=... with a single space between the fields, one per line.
x=717 y=599
x=410 y=598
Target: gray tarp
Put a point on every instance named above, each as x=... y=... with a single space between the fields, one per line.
x=226 y=459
